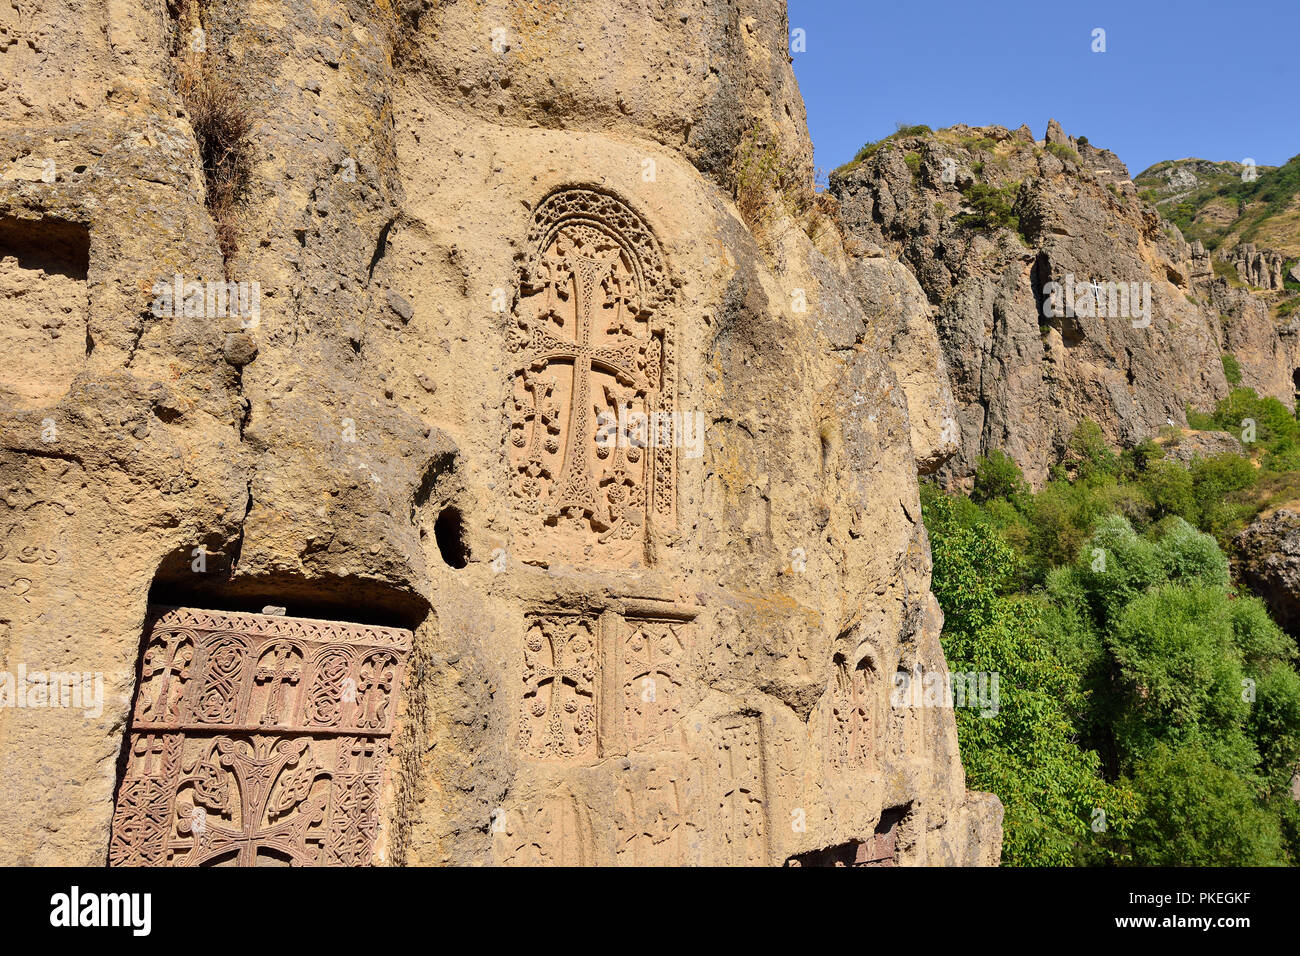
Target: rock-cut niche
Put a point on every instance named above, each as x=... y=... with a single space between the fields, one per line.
x=44 y=308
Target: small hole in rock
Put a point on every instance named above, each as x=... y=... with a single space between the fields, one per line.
x=449 y=532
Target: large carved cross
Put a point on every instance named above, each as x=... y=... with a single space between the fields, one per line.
x=576 y=490
x=742 y=800
x=255 y=775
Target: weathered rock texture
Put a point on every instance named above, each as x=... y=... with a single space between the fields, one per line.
x=475 y=226
x=1188 y=446
x=986 y=219
x=1258 y=267
x=1268 y=562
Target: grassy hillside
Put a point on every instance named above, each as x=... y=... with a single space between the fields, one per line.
x=1211 y=202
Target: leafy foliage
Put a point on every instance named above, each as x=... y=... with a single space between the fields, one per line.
x=992 y=207
x=871 y=148
x=1139 y=686
x=1195 y=813
x=1061 y=151
x=1231 y=369
x=1050 y=787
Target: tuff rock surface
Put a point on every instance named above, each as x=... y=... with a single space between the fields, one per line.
x=415 y=177
x=1262 y=268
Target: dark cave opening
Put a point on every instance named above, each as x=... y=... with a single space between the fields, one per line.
x=449 y=532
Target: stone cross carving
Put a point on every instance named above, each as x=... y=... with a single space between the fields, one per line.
x=852 y=741
x=592 y=339
x=376 y=687
x=278 y=673
x=164 y=671
x=652 y=659
x=224 y=767
x=742 y=801
x=559 y=716
x=264 y=827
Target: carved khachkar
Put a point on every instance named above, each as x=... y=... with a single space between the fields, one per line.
x=652 y=655
x=594 y=350
x=594 y=685
x=882 y=848
x=906 y=712
x=851 y=741
x=655 y=814
x=553 y=830
x=257 y=740
x=742 y=790
x=559 y=705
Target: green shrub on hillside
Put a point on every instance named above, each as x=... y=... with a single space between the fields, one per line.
x=870 y=149
x=1231 y=369
x=1061 y=151
x=1277 y=433
x=991 y=207
x=1147 y=684
x=997 y=476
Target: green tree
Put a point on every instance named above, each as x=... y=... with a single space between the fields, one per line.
x=1169 y=486
x=1088 y=453
x=997 y=476
x=1051 y=789
x=1195 y=813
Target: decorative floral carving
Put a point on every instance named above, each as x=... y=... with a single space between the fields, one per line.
x=276 y=756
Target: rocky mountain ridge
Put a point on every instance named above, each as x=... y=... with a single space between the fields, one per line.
x=1058 y=293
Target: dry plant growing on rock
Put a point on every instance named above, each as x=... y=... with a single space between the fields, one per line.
x=219 y=114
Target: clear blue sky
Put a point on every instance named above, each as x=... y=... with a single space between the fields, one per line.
x=1179 y=78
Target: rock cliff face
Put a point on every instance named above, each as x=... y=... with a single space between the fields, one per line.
x=1269 y=563
x=1259 y=267
x=326 y=310
x=1058 y=294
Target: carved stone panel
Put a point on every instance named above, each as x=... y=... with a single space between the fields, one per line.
x=742 y=790
x=558 y=718
x=593 y=347
x=880 y=849
x=656 y=813
x=651 y=657
x=257 y=740
x=906 y=713
x=552 y=830
x=851 y=731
